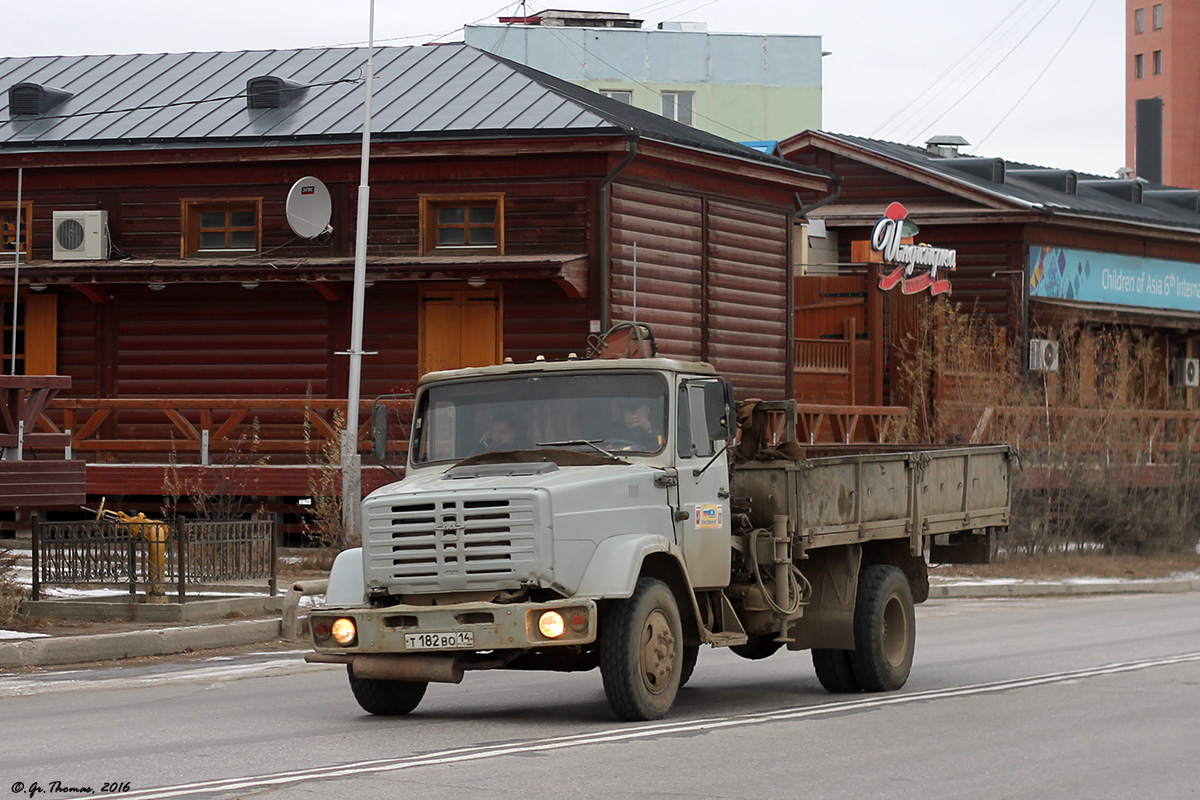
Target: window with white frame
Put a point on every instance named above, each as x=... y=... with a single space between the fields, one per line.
x=678 y=106
x=620 y=95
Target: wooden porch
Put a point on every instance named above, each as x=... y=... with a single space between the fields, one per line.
x=276 y=446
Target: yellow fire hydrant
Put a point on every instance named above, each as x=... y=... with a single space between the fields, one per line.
x=154 y=532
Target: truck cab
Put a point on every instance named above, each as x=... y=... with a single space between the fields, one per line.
x=536 y=495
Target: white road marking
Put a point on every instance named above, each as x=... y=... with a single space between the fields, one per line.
x=624 y=734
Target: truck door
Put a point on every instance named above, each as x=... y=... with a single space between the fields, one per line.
x=703 y=525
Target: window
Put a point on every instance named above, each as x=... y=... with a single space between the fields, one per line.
x=1138 y=68
x=620 y=95
x=8 y=228
x=1158 y=16
x=221 y=227
x=678 y=106
x=1158 y=62
x=465 y=222
x=1139 y=20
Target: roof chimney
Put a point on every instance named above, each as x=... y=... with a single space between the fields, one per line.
x=945 y=146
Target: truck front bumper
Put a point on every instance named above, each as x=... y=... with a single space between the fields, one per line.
x=457 y=628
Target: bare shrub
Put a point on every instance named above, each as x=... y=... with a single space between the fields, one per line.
x=12 y=592
x=1097 y=471
x=222 y=491
x=323 y=525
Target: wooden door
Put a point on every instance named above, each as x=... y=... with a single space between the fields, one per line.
x=460 y=328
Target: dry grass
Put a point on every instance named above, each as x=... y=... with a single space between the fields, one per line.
x=1077 y=565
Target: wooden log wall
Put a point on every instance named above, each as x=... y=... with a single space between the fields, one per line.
x=712 y=281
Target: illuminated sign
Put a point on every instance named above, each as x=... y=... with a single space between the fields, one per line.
x=916 y=265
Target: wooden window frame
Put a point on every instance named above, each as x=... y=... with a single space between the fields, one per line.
x=26 y=226
x=192 y=208
x=430 y=203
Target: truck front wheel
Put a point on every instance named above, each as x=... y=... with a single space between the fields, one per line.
x=641 y=652
x=885 y=630
x=386 y=698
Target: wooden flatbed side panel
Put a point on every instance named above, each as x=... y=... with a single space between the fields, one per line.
x=858 y=498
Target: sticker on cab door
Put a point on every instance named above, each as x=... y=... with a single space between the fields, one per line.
x=708 y=517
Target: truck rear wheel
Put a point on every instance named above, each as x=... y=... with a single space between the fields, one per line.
x=641 y=652
x=386 y=698
x=834 y=671
x=885 y=630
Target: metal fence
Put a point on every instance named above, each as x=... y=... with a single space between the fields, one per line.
x=154 y=557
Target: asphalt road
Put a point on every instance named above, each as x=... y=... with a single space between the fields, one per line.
x=1065 y=697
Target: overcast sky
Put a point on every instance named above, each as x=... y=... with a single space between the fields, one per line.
x=1036 y=81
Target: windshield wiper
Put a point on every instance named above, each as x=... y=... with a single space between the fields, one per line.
x=569 y=442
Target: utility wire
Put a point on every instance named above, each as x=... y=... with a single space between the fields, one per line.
x=908 y=106
x=176 y=103
x=1041 y=74
x=989 y=73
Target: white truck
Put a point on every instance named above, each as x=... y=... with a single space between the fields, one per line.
x=589 y=513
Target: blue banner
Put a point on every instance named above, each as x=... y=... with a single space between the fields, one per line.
x=1091 y=277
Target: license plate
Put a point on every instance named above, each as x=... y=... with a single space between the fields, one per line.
x=437 y=640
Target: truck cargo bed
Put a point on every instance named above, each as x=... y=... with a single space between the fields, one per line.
x=847 y=499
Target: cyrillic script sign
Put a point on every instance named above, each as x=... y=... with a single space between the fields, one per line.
x=1087 y=276
x=916 y=265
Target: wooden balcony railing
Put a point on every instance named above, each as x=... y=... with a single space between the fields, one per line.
x=1119 y=436
x=202 y=430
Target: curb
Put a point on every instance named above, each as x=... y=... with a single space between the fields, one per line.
x=106 y=646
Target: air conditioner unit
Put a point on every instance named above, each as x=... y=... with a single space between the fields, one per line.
x=1187 y=372
x=1043 y=355
x=80 y=235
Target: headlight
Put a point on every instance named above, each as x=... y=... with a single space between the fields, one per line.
x=551 y=625
x=344 y=632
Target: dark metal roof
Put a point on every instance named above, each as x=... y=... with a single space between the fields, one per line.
x=443 y=91
x=1052 y=191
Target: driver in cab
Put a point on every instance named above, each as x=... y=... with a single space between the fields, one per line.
x=639 y=430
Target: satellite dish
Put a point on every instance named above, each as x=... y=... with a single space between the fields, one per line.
x=308 y=208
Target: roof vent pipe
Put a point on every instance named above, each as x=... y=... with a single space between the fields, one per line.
x=990 y=169
x=33 y=99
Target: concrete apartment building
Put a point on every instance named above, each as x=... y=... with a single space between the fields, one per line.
x=1162 y=104
x=745 y=87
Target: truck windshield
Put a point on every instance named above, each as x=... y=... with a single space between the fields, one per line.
x=614 y=411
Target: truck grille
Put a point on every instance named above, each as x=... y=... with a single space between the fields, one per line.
x=456 y=543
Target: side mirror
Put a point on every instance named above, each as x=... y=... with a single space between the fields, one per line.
x=379 y=425
x=718 y=410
